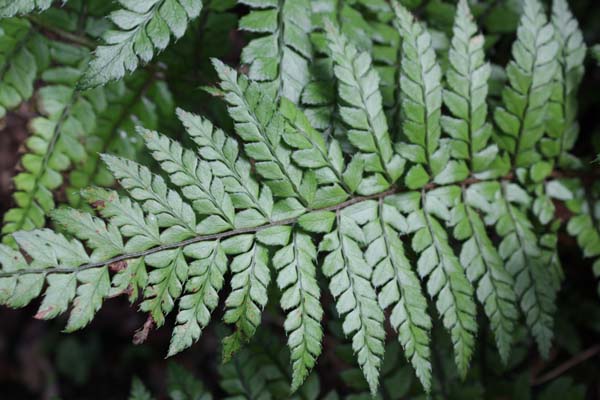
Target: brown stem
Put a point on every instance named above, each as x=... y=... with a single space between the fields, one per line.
x=567 y=365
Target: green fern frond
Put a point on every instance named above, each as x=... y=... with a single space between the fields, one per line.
x=467 y=78
x=244 y=377
x=562 y=127
x=319 y=97
x=486 y=270
x=141 y=99
x=446 y=280
x=23 y=55
x=400 y=288
x=223 y=156
x=262 y=129
x=55 y=143
x=525 y=260
x=584 y=224
x=300 y=298
x=10 y=8
x=421 y=102
x=530 y=75
x=143 y=28
x=361 y=110
x=350 y=284
x=279 y=59
x=465 y=98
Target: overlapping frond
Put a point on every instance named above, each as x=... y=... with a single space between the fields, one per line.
x=56 y=141
x=279 y=58
x=562 y=127
x=10 y=8
x=23 y=55
x=350 y=284
x=421 y=103
x=521 y=118
x=143 y=28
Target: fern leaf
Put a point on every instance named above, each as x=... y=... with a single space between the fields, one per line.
x=10 y=8
x=55 y=142
x=296 y=278
x=169 y=271
x=467 y=79
x=309 y=150
x=530 y=74
x=194 y=178
x=400 y=289
x=164 y=203
x=140 y=99
x=279 y=58
x=106 y=241
x=319 y=97
x=143 y=29
x=524 y=259
x=421 y=102
x=128 y=216
x=261 y=130
x=23 y=56
x=94 y=285
x=362 y=112
x=206 y=275
x=223 y=156
x=486 y=270
x=250 y=278
x=446 y=280
x=562 y=126
x=350 y=284
x=583 y=225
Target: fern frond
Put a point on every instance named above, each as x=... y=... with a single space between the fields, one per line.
x=141 y=99
x=467 y=79
x=197 y=184
x=56 y=139
x=361 y=109
x=319 y=97
x=23 y=55
x=10 y=8
x=249 y=282
x=206 y=276
x=421 y=102
x=446 y=280
x=350 y=284
x=262 y=129
x=300 y=298
x=524 y=259
x=151 y=190
x=562 y=127
x=143 y=28
x=138 y=391
x=486 y=270
x=279 y=59
x=530 y=74
x=584 y=224
x=222 y=154
x=400 y=288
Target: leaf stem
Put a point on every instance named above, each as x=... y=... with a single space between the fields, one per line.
x=223 y=235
